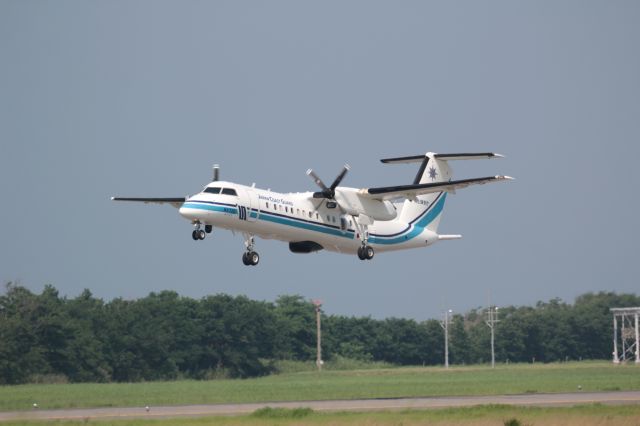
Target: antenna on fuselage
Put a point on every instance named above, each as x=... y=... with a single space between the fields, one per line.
x=216 y=173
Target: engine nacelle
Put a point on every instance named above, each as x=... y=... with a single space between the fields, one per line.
x=355 y=204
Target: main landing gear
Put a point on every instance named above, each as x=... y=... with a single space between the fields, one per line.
x=365 y=252
x=250 y=257
x=199 y=234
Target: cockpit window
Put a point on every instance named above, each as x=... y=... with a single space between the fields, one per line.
x=212 y=190
x=229 y=191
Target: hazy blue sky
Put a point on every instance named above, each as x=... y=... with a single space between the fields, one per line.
x=140 y=98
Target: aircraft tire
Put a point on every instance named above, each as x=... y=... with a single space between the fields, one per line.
x=369 y=252
x=201 y=234
x=195 y=235
x=361 y=254
x=245 y=259
x=254 y=258
x=208 y=229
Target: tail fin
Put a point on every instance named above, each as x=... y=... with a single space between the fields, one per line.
x=433 y=168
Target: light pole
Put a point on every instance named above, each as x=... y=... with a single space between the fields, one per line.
x=492 y=319
x=445 y=325
x=318 y=305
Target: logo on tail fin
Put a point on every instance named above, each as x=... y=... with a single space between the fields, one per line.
x=433 y=173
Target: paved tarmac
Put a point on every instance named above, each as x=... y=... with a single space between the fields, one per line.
x=559 y=399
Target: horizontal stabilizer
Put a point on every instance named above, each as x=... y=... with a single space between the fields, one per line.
x=174 y=201
x=411 y=191
x=468 y=156
x=446 y=157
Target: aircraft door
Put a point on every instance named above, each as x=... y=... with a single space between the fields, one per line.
x=249 y=207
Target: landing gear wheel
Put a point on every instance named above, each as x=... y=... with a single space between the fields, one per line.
x=201 y=234
x=195 y=235
x=368 y=252
x=365 y=252
x=250 y=258
x=208 y=229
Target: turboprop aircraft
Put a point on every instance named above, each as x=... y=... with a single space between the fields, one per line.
x=336 y=218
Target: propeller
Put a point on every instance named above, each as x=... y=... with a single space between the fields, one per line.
x=327 y=192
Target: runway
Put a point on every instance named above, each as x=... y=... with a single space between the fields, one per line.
x=560 y=399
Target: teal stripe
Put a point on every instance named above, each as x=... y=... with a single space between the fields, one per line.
x=211 y=208
x=304 y=225
x=417 y=228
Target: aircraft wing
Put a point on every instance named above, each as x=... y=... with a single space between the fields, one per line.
x=410 y=191
x=175 y=201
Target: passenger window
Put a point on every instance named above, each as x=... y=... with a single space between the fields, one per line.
x=229 y=191
x=212 y=190
x=267 y=203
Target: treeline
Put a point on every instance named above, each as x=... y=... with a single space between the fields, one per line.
x=166 y=336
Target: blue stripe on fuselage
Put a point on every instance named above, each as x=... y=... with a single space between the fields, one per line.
x=212 y=207
x=417 y=228
x=413 y=231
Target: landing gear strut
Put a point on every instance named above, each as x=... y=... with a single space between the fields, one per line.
x=199 y=234
x=250 y=257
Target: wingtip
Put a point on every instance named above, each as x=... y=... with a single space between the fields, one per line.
x=113 y=198
x=496 y=155
x=507 y=178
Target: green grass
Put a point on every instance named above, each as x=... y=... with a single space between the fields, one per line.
x=353 y=384
x=585 y=415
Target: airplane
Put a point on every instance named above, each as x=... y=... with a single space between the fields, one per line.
x=336 y=218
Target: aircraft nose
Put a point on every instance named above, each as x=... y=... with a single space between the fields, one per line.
x=185 y=212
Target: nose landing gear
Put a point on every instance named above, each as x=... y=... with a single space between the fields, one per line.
x=199 y=234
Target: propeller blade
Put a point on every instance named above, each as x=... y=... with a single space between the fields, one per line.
x=341 y=176
x=316 y=179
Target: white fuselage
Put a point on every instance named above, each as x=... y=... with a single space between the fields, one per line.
x=297 y=217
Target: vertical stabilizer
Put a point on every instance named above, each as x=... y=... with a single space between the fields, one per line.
x=431 y=170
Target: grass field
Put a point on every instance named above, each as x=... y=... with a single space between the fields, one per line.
x=587 y=415
x=377 y=383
